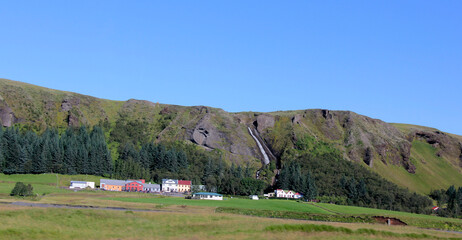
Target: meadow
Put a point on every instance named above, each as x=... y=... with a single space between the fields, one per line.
x=179 y=218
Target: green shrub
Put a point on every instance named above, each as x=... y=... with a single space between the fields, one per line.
x=20 y=189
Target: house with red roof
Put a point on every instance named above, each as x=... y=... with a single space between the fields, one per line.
x=184 y=186
x=280 y=193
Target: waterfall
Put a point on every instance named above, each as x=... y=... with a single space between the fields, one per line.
x=262 y=150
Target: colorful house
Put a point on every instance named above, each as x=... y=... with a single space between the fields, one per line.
x=280 y=193
x=184 y=186
x=134 y=185
x=112 y=185
x=169 y=185
x=207 y=196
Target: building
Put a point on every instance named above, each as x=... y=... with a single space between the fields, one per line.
x=134 y=185
x=253 y=197
x=207 y=196
x=150 y=188
x=184 y=186
x=82 y=184
x=198 y=188
x=112 y=185
x=270 y=194
x=280 y=193
x=169 y=185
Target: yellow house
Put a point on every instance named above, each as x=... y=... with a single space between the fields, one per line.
x=112 y=185
x=184 y=186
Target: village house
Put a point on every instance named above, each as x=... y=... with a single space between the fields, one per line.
x=184 y=186
x=207 y=196
x=169 y=185
x=134 y=185
x=82 y=184
x=280 y=193
x=112 y=185
x=151 y=188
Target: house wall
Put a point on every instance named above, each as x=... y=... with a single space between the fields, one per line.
x=78 y=185
x=113 y=187
x=184 y=188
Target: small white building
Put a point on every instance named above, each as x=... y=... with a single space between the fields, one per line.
x=280 y=193
x=207 y=196
x=169 y=185
x=82 y=184
x=253 y=197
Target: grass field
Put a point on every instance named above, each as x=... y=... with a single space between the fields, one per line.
x=180 y=218
x=43 y=183
x=37 y=223
x=273 y=204
x=420 y=220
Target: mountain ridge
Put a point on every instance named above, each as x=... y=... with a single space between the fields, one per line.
x=384 y=147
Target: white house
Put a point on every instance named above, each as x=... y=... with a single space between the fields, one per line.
x=280 y=193
x=253 y=197
x=207 y=196
x=81 y=184
x=169 y=185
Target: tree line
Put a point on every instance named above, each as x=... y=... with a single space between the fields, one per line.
x=338 y=178
x=76 y=151
x=449 y=200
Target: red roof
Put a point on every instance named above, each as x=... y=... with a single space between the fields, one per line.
x=184 y=182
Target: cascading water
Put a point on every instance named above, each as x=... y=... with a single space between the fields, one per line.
x=262 y=150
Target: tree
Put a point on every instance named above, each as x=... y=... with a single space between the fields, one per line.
x=22 y=190
x=309 y=191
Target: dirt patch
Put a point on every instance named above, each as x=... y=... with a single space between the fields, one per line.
x=389 y=221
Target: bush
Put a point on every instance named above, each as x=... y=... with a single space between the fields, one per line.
x=20 y=189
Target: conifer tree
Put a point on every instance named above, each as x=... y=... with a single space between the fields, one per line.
x=11 y=150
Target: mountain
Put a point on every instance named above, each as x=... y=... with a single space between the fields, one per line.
x=416 y=157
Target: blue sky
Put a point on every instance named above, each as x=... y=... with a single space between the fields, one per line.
x=399 y=61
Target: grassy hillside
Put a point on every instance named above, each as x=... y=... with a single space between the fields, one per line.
x=399 y=152
x=432 y=172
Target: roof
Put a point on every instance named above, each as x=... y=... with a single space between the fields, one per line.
x=169 y=181
x=113 y=182
x=131 y=181
x=79 y=182
x=208 y=193
x=148 y=185
x=184 y=182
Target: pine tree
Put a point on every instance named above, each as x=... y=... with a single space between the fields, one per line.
x=11 y=150
x=2 y=159
x=309 y=191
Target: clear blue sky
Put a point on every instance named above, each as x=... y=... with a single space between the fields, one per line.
x=399 y=61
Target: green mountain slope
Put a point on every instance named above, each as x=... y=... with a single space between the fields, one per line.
x=415 y=157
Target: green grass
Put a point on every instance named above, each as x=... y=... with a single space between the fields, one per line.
x=432 y=172
x=43 y=183
x=5 y=189
x=419 y=220
x=39 y=223
x=49 y=178
x=264 y=204
x=343 y=230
